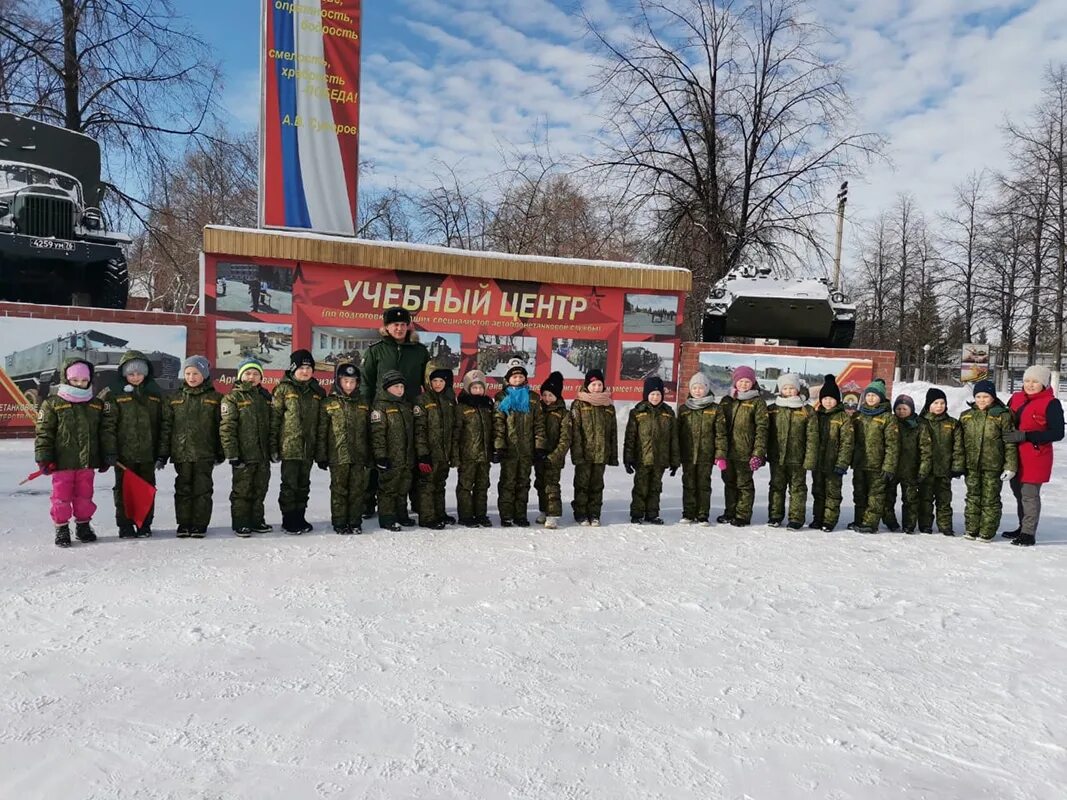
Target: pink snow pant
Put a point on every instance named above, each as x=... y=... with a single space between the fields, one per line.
x=72 y=495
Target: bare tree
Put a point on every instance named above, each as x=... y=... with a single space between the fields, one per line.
x=726 y=118
x=386 y=215
x=874 y=284
x=960 y=247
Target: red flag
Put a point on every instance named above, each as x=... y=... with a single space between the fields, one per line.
x=137 y=496
x=31 y=477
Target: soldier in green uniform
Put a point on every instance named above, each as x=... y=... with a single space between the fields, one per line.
x=518 y=441
x=246 y=443
x=343 y=443
x=702 y=443
x=876 y=450
x=988 y=461
x=547 y=471
x=435 y=416
x=594 y=446
x=472 y=450
x=392 y=434
x=833 y=457
x=946 y=463
x=746 y=445
x=69 y=447
x=650 y=445
x=296 y=404
x=133 y=405
x=191 y=441
x=792 y=446
x=913 y=466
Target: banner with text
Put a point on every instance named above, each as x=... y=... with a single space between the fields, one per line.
x=265 y=309
x=309 y=131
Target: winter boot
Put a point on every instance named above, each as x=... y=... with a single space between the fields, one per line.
x=305 y=526
x=395 y=527
x=949 y=532
x=244 y=531
x=637 y=520
x=63 y=535
x=702 y=521
x=84 y=532
x=1024 y=540
x=739 y=523
x=970 y=535
x=580 y=520
x=198 y=531
x=653 y=520
x=505 y=523
x=774 y=523
x=594 y=522
x=183 y=532
x=127 y=532
x=1011 y=534
x=449 y=519
x=261 y=527
x=522 y=522
x=551 y=523
x=342 y=530
x=145 y=531
x=724 y=519
x=357 y=529
x=795 y=526
x=926 y=530
x=291 y=523
x=485 y=522
x=816 y=524
x=826 y=528
x=865 y=529
x=470 y=522
x=407 y=522
x=541 y=518
x=685 y=521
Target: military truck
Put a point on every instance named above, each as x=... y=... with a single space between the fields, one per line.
x=750 y=302
x=638 y=363
x=35 y=369
x=53 y=246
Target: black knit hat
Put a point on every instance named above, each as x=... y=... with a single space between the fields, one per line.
x=554 y=384
x=933 y=394
x=301 y=358
x=391 y=378
x=653 y=383
x=346 y=369
x=986 y=387
x=397 y=315
x=830 y=388
x=442 y=373
x=594 y=375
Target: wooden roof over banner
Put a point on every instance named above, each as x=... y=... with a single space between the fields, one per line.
x=326 y=249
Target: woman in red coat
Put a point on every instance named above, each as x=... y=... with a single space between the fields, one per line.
x=1039 y=423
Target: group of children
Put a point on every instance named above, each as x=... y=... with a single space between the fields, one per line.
x=131 y=426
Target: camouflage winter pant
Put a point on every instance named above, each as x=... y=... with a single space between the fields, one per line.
x=739 y=490
x=348 y=487
x=472 y=491
x=296 y=486
x=192 y=492
x=430 y=494
x=146 y=471
x=939 y=491
x=981 y=512
x=546 y=483
x=826 y=496
x=513 y=488
x=868 y=488
x=696 y=491
x=909 y=500
x=793 y=478
x=248 y=493
x=393 y=487
x=648 y=485
x=588 y=499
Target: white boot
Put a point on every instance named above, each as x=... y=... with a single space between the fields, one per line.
x=595 y=522
x=552 y=523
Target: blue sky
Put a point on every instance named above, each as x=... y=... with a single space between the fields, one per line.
x=457 y=81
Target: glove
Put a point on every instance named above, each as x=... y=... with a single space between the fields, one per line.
x=888 y=477
x=219 y=459
x=497 y=455
x=109 y=461
x=840 y=471
x=425 y=465
x=383 y=464
x=1014 y=437
x=613 y=463
x=46 y=467
x=323 y=465
x=540 y=454
x=674 y=471
x=756 y=462
x=957 y=473
x=721 y=464
x=237 y=463
x=629 y=468
x=1007 y=475
x=161 y=462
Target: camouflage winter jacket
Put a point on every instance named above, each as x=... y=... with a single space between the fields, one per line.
x=435 y=417
x=409 y=358
x=344 y=430
x=557 y=432
x=876 y=439
x=702 y=434
x=296 y=406
x=191 y=420
x=946 y=445
x=70 y=435
x=746 y=427
x=913 y=464
x=245 y=427
x=518 y=435
x=594 y=434
x=793 y=436
x=836 y=437
x=651 y=438
x=472 y=435
x=983 y=443
x=392 y=431
x=135 y=416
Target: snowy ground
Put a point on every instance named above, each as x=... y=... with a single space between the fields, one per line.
x=620 y=662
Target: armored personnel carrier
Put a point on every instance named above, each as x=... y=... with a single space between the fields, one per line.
x=53 y=246
x=750 y=301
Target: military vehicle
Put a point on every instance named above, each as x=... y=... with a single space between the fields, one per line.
x=638 y=363
x=750 y=302
x=35 y=369
x=53 y=246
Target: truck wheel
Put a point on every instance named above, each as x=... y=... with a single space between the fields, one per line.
x=111 y=285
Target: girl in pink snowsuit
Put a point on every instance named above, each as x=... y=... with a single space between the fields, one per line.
x=68 y=447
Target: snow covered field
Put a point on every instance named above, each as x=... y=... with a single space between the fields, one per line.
x=620 y=662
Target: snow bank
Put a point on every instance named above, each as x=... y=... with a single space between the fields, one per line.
x=958 y=396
